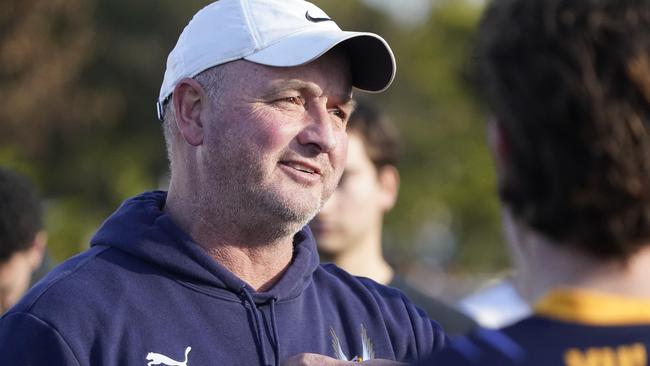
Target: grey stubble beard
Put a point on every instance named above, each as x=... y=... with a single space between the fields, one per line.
x=255 y=213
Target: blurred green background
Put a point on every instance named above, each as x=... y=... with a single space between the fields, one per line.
x=79 y=78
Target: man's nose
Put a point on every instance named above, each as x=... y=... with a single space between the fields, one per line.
x=320 y=131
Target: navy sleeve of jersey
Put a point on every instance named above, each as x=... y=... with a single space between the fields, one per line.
x=481 y=347
x=459 y=352
x=27 y=340
x=445 y=358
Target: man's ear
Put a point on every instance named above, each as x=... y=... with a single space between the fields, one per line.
x=189 y=99
x=388 y=177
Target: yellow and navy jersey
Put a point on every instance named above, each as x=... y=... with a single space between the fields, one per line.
x=570 y=327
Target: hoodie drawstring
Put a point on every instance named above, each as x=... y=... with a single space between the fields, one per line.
x=258 y=325
x=274 y=326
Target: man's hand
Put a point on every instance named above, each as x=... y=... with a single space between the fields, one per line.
x=313 y=359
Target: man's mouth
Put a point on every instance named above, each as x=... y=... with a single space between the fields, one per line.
x=302 y=167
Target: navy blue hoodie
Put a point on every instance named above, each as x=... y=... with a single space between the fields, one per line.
x=146 y=294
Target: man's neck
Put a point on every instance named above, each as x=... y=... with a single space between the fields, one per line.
x=258 y=262
x=365 y=259
x=260 y=267
x=569 y=268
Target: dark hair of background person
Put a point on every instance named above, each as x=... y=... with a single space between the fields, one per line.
x=380 y=137
x=21 y=214
x=569 y=86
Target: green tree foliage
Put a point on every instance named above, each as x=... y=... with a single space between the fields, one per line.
x=79 y=78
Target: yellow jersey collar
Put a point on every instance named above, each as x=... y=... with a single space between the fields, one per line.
x=593 y=308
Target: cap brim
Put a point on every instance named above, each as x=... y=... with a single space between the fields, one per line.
x=371 y=60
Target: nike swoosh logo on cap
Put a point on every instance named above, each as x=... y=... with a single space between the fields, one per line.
x=316 y=20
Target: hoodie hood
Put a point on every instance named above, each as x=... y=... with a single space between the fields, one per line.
x=140 y=228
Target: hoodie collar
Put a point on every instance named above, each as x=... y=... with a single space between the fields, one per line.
x=140 y=228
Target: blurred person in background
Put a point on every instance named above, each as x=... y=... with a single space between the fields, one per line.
x=22 y=237
x=348 y=229
x=569 y=86
x=221 y=269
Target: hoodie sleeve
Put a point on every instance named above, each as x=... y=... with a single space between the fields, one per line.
x=415 y=336
x=28 y=340
x=429 y=335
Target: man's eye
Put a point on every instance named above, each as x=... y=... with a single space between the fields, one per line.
x=339 y=113
x=293 y=100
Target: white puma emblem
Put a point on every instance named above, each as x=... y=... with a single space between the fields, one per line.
x=158 y=359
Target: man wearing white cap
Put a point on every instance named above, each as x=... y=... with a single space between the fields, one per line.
x=221 y=270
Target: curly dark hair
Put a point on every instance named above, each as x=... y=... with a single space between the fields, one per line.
x=21 y=215
x=379 y=134
x=569 y=84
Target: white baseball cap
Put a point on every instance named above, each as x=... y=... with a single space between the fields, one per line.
x=280 y=33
